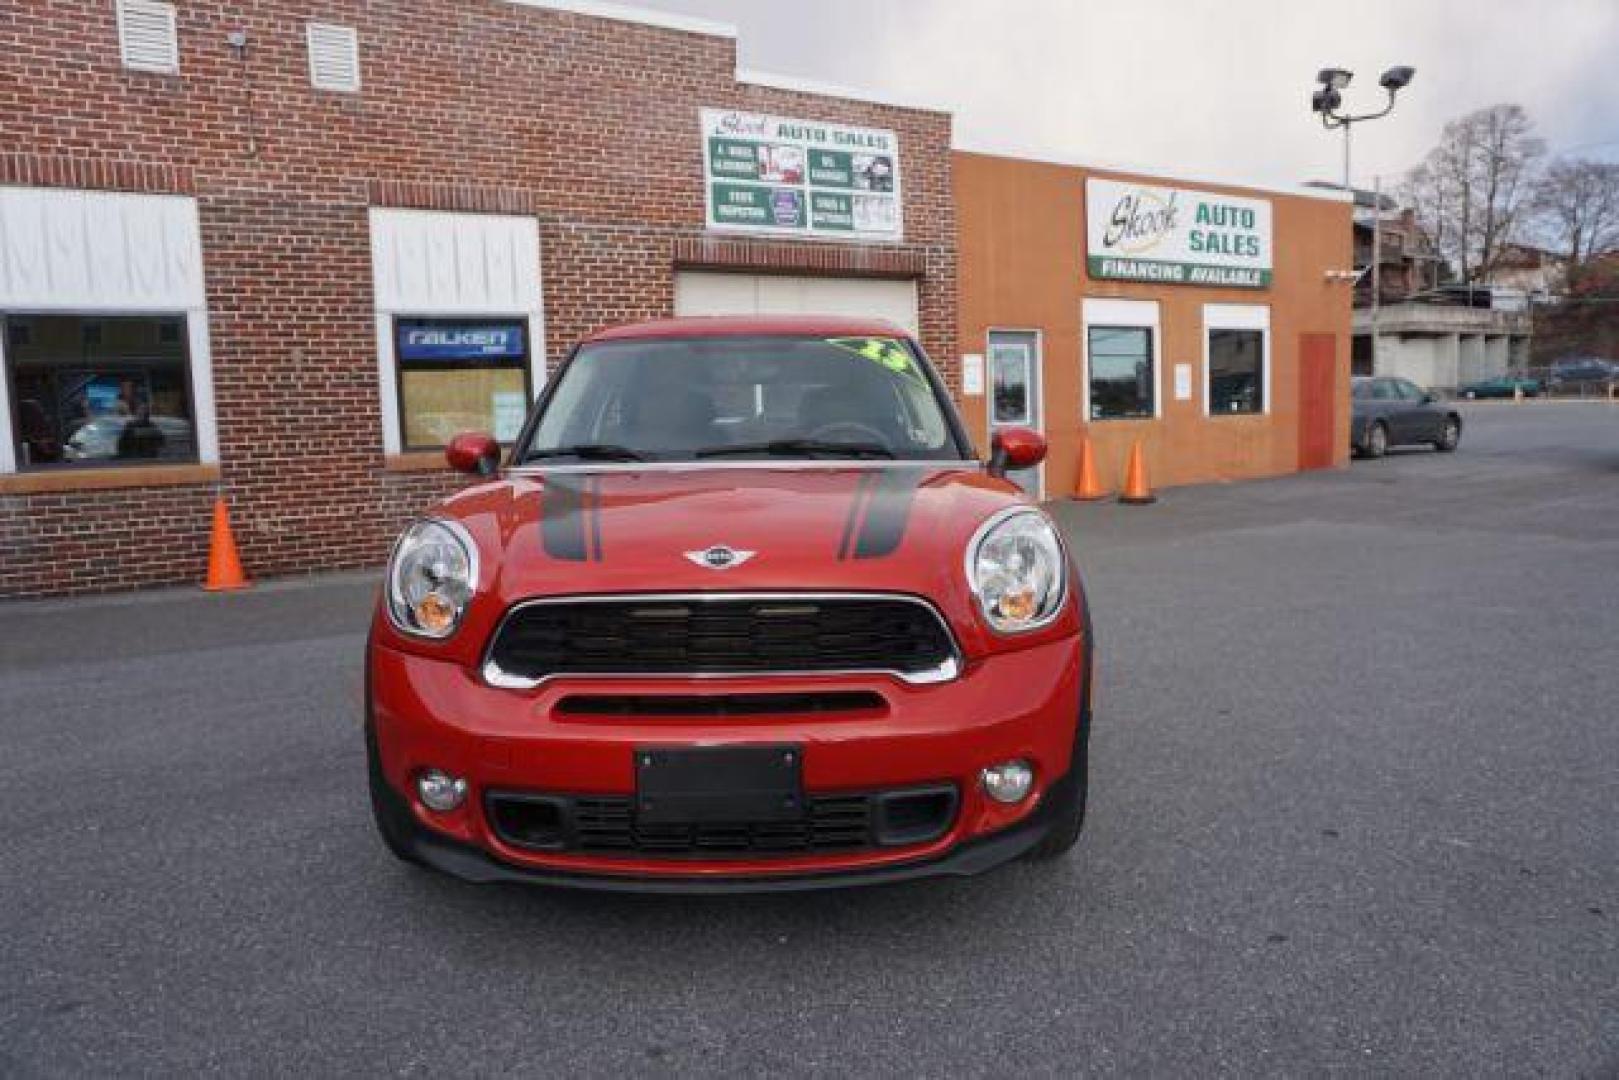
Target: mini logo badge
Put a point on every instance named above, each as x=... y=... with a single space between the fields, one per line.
x=720 y=557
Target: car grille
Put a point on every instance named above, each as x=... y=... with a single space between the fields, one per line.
x=732 y=634
x=833 y=824
x=607 y=825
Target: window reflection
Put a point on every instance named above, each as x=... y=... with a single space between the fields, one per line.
x=1236 y=372
x=99 y=390
x=1121 y=375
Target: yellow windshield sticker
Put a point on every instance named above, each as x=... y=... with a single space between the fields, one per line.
x=885 y=351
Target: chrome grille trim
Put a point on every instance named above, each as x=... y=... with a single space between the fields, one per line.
x=947 y=671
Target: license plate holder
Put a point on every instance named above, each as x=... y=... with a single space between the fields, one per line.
x=718 y=785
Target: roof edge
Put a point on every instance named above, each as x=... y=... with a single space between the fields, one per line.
x=630 y=13
x=1158 y=173
x=755 y=77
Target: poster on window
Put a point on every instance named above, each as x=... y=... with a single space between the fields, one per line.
x=510 y=407
x=773 y=174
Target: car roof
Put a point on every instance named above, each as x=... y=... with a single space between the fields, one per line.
x=694 y=326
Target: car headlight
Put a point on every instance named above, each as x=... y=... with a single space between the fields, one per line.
x=1017 y=571
x=431 y=577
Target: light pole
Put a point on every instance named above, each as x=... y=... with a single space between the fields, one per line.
x=1325 y=102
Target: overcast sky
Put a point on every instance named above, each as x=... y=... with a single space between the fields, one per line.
x=1217 y=86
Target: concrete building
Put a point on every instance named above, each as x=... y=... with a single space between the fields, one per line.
x=1437 y=335
x=1440 y=346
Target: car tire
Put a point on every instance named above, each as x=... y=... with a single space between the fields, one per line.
x=1449 y=436
x=1377 y=441
x=388 y=810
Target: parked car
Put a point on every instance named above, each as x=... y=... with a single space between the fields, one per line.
x=107 y=438
x=1502 y=386
x=1389 y=412
x=1583 y=369
x=817 y=644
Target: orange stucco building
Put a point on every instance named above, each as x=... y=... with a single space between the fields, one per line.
x=1208 y=321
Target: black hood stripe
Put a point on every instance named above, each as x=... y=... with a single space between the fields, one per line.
x=862 y=491
x=562 y=518
x=888 y=512
x=594 y=493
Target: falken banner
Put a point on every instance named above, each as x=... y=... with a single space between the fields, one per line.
x=800 y=177
x=1176 y=236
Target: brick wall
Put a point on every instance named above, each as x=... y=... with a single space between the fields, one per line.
x=475 y=105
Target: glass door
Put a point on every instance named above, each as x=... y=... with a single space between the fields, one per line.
x=1014 y=379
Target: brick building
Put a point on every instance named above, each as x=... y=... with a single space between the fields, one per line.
x=279 y=249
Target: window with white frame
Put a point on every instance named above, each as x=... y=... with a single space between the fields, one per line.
x=104 y=357
x=1236 y=359
x=459 y=324
x=1121 y=343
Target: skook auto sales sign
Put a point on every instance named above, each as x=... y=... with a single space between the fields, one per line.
x=1177 y=236
x=774 y=174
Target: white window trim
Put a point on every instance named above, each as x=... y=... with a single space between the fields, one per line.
x=393 y=436
x=530 y=306
x=189 y=302
x=1134 y=314
x=1239 y=317
x=8 y=446
x=1037 y=382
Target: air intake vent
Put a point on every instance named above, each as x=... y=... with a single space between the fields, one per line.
x=334 y=57
x=147 y=37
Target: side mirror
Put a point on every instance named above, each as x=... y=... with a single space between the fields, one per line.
x=1015 y=448
x=473 y=452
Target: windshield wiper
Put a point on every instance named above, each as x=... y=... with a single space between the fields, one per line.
x=799 y=448
x=588 y=452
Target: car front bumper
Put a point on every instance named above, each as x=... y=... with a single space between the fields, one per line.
x=1031 y=704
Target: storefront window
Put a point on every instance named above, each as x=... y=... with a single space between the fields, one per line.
x=1122 y=383
x=93 y=391
x=460 y=375
x=1236 y=372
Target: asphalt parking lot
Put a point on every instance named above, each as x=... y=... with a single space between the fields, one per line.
x=1355 y=778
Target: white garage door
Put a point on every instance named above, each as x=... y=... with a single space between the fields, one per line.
x=706 y=293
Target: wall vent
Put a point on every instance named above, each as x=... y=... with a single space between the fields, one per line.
x=334 y=57
x=147 y=37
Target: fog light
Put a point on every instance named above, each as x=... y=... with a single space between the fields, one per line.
x=1008 y=782
x=440 y=791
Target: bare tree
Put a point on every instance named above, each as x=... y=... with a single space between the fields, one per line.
x=1577 y=203
x=1472 y=192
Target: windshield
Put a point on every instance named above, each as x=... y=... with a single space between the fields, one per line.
x=756 y=397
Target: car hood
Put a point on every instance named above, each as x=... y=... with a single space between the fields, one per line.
x=890 y=527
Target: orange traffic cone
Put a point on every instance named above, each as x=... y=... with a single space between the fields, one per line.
x=1090 y=488
x=1136 y=490
x=224 y=564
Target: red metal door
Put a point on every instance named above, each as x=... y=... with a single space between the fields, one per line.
x=1318 y=391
